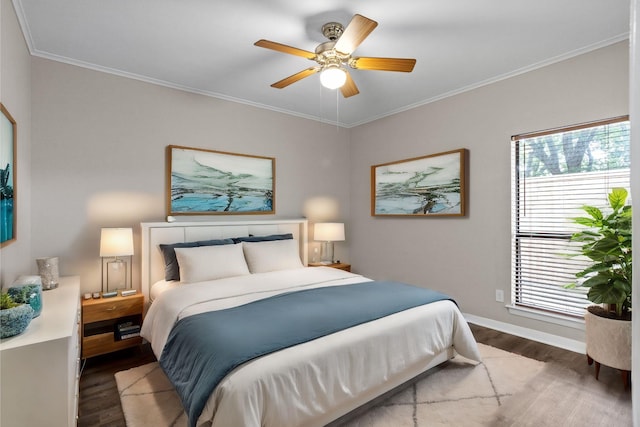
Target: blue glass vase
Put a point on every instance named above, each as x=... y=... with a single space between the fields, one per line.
x=28 y=294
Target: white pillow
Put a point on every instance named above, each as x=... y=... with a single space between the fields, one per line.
x=210 y=262
x=263 y=257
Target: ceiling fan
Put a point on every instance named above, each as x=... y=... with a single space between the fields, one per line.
x=334 y=56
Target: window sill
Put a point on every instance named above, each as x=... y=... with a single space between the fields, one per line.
x=557 y=319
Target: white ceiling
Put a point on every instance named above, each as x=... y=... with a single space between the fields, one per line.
x=206 y=46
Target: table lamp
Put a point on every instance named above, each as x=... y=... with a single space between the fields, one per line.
x=327 y=233
x=116 y=250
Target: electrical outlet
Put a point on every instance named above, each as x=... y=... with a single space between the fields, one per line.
x=499 y=295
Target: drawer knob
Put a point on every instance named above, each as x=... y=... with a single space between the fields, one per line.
x=112 y=308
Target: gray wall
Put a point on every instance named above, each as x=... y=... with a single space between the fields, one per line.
x=469 y=257
x=99 y=157
x=15 y=94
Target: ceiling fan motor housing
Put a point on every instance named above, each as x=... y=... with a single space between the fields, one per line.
x=326 y=54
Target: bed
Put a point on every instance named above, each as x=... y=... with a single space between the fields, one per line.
x=309 y=382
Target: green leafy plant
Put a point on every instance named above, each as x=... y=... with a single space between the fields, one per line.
x=607 y=242
x=20 y=294
x=6 y=302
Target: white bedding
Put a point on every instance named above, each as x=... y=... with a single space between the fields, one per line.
x=316 y=382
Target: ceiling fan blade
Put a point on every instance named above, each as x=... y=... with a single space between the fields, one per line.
x=349 y=87
x=383 y=64
x=354 y=34
x=295 y=77
x=285 y=49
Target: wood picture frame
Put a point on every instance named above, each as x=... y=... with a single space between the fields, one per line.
x=209 y=182
x=432 y=185
x=8 y=177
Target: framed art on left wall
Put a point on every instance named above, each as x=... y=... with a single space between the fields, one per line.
x=8 y=147
x=207 y=182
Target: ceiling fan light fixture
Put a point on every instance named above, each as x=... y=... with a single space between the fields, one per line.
x=333 y=77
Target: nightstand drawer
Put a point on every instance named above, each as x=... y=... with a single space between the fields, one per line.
x=105 y=309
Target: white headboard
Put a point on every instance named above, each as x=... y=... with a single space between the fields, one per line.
x=155 y=233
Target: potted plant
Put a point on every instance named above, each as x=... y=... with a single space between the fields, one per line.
x=27 y=290
x=14 y=316
x=607 y=242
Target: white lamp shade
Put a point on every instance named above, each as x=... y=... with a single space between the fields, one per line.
x=333 y=77
x=328 y=231
x=116 y=242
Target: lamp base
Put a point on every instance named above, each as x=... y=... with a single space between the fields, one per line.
x=116 y=274
x=327 y=253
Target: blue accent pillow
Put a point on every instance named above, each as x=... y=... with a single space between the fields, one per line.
x=269 y=238
x=171 y=267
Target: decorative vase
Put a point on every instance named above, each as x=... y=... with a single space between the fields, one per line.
x=48 y=270
x=14 y=321
x=22 y=291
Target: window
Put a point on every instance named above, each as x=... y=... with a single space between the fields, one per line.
x=555 y=173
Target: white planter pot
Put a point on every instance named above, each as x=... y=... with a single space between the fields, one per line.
x=608 y=341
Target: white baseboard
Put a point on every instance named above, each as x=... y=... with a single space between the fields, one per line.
x=530 y=334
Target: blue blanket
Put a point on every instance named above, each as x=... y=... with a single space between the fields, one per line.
x=203 y=348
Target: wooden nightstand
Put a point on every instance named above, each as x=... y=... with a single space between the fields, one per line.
x=338 y=265
x=100 y=320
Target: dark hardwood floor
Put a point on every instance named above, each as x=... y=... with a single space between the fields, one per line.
x=546 y=353
x=100 y=404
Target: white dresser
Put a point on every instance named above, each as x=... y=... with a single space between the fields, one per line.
x=39 y=369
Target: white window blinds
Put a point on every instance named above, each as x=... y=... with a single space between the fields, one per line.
x=555 y=173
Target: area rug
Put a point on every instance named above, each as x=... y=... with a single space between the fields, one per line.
x=462 y=393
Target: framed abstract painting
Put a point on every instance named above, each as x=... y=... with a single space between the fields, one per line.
x=8 y=177
x=207 y=182
x=432 y=185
